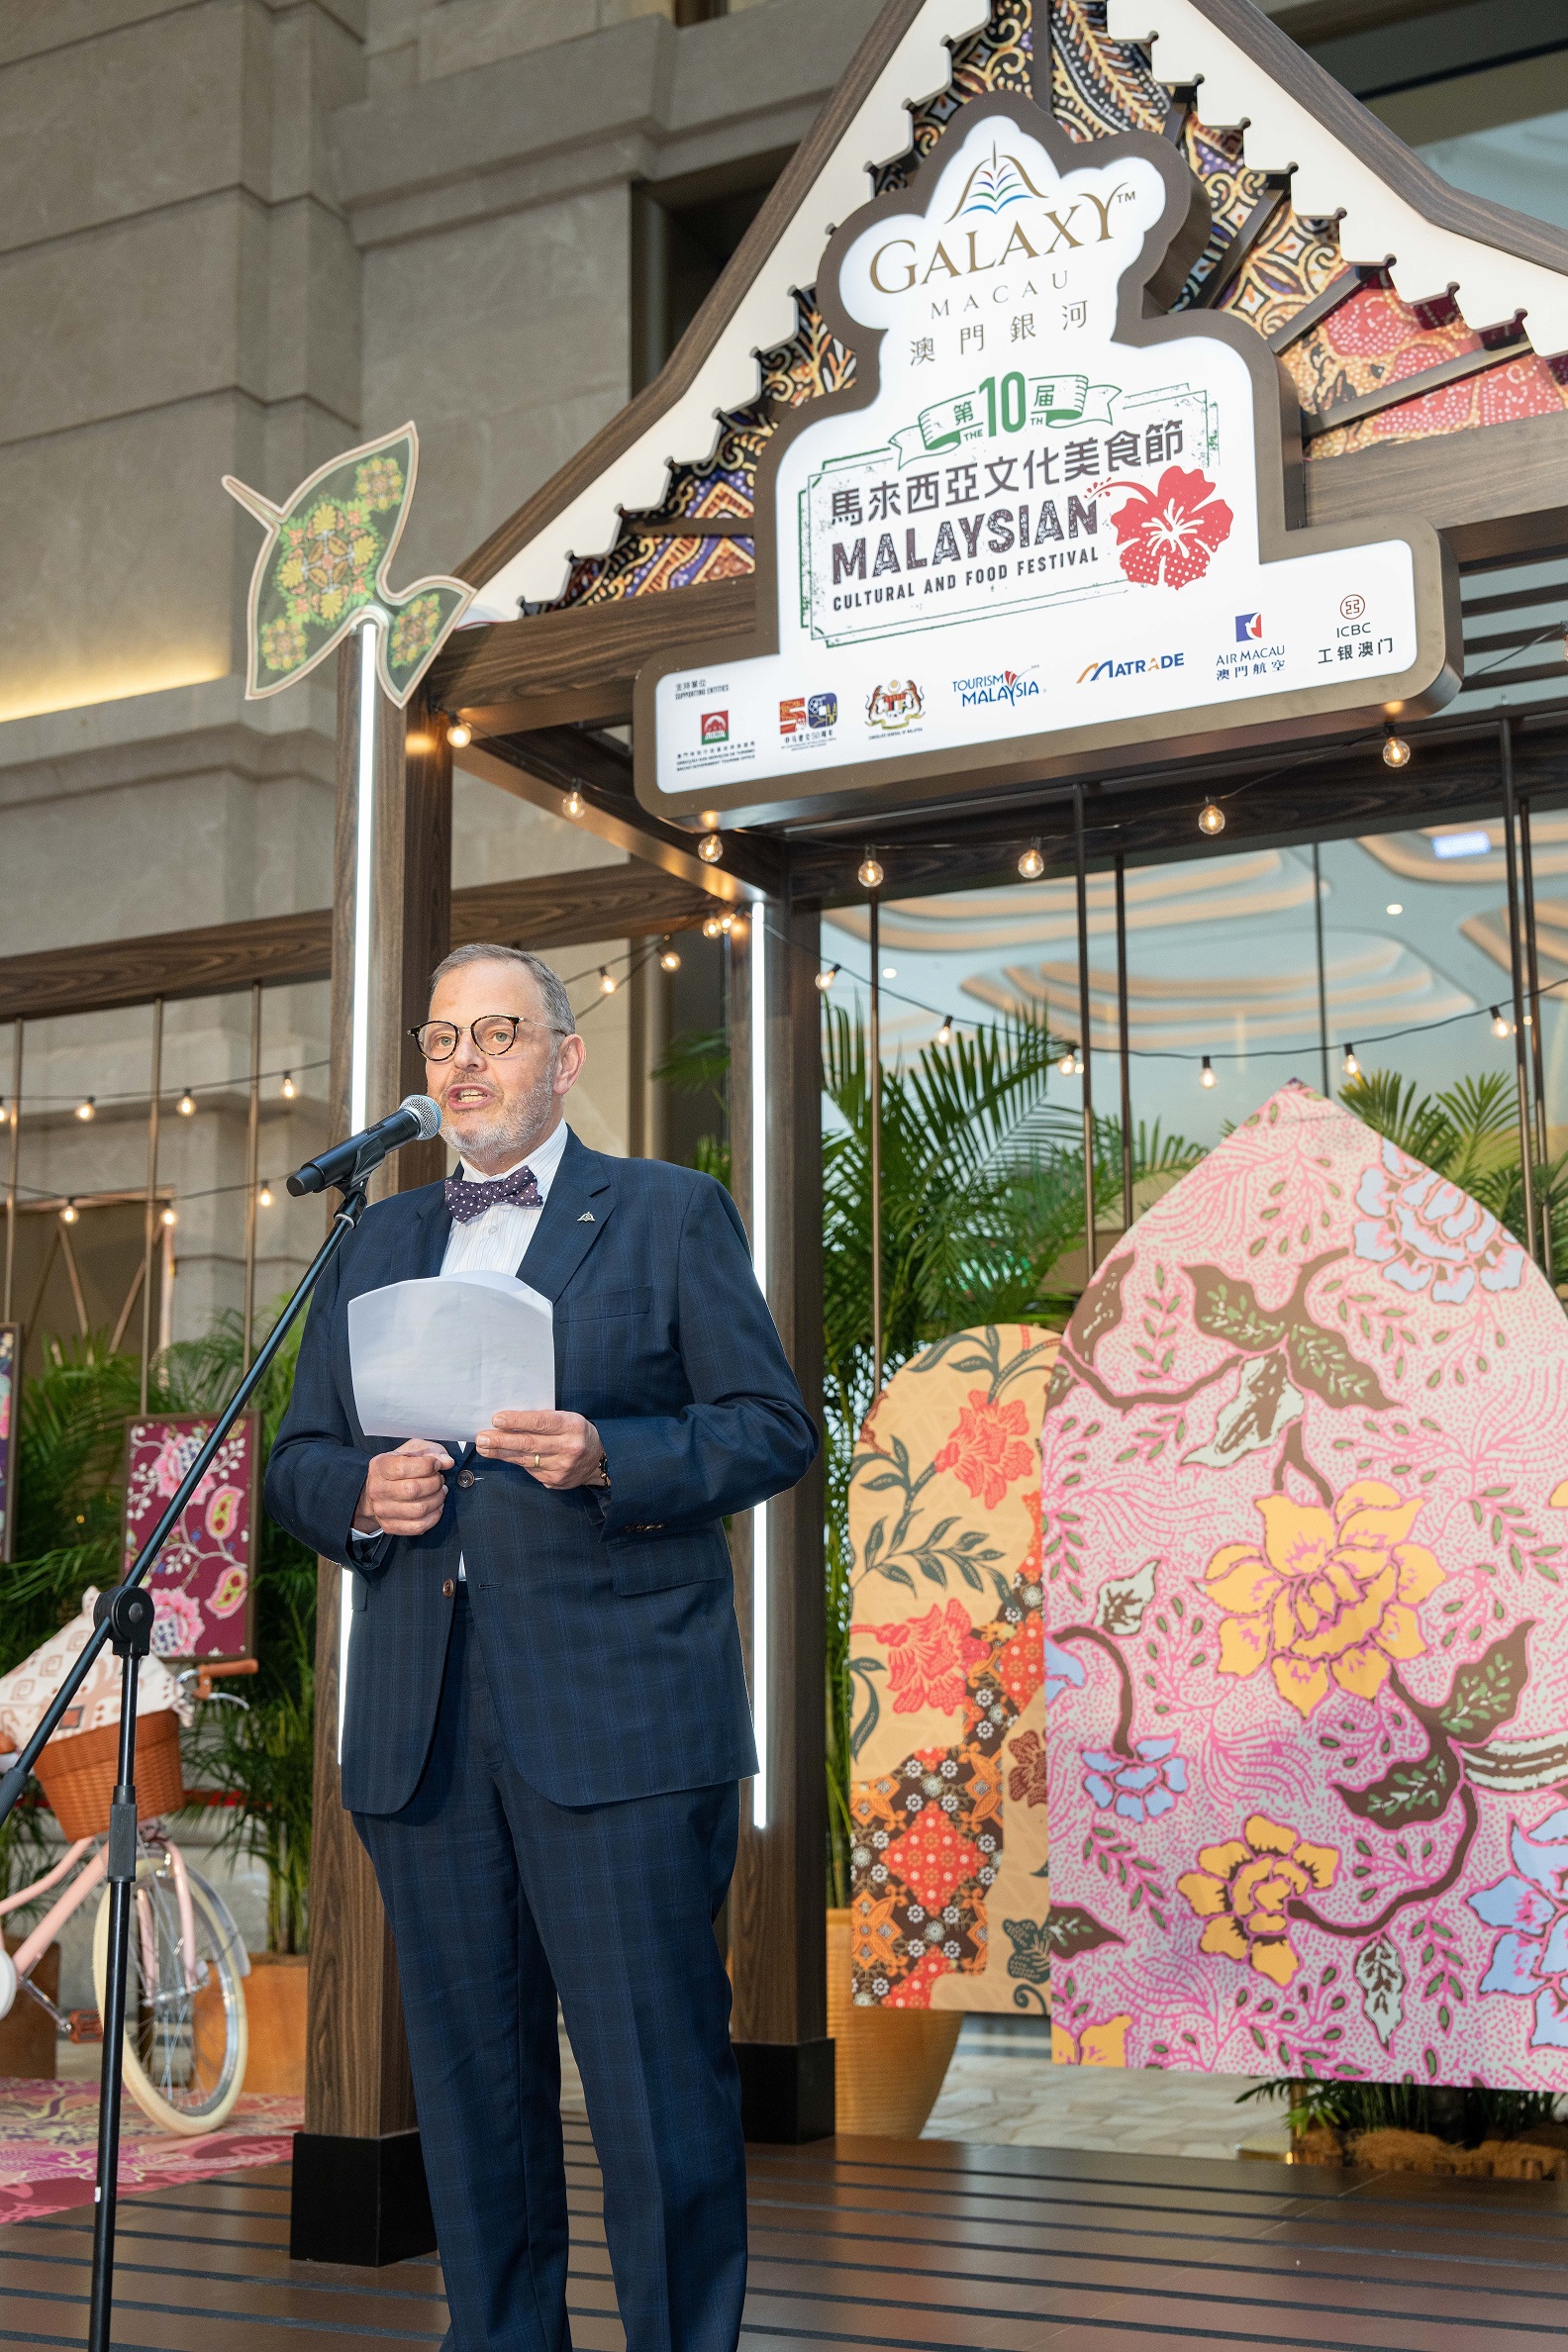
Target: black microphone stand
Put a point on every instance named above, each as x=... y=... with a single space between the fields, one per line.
x=123 y=1619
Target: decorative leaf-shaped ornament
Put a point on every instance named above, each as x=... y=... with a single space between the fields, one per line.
x=323 y=569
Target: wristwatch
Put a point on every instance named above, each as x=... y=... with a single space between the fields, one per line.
x=601 y=1477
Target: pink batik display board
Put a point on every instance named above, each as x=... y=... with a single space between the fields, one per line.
x=1303 y=1513
x=203 y=1579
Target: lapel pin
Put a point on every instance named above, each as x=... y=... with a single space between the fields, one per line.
x=586 y=1217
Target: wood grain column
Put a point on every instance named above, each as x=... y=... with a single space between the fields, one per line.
x=777 y=1922
x=359 y=2193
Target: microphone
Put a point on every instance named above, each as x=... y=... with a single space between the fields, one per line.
x=416 y=1119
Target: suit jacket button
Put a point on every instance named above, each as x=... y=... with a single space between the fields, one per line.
x=449 y=1588
x=465 y=1478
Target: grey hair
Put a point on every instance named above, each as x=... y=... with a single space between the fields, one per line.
x=551 y=987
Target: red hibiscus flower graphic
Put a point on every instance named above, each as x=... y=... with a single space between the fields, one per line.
x=987 y=1449
x=1168 y=534
x=928 y=1656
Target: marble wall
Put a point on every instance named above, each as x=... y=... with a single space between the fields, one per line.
x=236 y=237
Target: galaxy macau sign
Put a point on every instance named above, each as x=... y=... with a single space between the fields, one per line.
x=1047 y=523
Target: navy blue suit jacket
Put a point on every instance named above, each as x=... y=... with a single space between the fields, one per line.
x=606 y=1620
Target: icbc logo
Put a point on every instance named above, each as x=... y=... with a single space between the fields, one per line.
x=1352 y=607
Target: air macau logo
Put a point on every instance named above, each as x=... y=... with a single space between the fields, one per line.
x=1134 y=666
x=894 y=706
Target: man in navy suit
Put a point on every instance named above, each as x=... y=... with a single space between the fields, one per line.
x=546 y=1717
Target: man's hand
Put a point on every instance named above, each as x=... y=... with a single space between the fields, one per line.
x=559 y=1450
x=403 y=1493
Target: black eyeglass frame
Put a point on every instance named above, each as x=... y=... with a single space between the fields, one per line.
x=465 y=1029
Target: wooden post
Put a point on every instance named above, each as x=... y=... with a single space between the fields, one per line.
x=359 y=2193
x=778 y=1903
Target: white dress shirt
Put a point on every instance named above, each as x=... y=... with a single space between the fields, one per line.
x=494 y=1243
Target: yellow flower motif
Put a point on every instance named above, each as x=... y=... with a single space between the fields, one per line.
x=1330 y=1592
x=1097 y=2045
x=1241 y=1888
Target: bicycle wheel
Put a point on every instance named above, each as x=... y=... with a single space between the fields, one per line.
x=185 y=2033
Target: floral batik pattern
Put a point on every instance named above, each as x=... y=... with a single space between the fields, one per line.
x=1304 y=1514
x=950 y=1898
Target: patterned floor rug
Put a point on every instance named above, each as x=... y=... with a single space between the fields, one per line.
x=49 y=2137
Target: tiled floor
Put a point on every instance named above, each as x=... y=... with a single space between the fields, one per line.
x=1003 y=2090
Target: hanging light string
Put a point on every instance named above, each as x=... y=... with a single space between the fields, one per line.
x=828 y=973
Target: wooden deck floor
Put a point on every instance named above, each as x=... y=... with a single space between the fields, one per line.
x=898 y=2246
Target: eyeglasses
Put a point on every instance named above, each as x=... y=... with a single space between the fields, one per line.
x=493 y=1033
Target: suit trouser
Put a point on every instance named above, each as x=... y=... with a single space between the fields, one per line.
x=499 y=1900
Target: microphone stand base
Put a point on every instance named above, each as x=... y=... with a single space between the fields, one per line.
x=364 y=2201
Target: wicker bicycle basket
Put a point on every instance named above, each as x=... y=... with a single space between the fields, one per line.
x=77 y=1775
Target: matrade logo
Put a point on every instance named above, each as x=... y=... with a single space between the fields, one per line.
x=894 y=706
x=715 y=727
x=1136 y=666
x=1248 y=628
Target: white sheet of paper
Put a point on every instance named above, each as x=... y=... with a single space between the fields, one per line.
x=440 y=1357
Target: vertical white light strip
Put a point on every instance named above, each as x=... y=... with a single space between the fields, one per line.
x=364 y=876
x=760 y=1255
x=359 y=1025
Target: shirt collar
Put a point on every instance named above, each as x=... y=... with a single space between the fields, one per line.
x=543 y=1162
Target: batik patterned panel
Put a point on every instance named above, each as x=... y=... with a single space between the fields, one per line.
x=951 y=1893
x=1303 y=1518
x=201 y=1581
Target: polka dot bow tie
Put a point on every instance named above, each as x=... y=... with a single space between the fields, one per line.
x=466 y=1199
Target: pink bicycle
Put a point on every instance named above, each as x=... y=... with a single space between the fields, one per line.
x=185 y=2033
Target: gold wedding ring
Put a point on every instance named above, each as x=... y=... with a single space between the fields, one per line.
x=537 y=1459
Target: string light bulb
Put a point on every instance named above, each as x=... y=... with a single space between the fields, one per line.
x=86 y=1108
x=712 y=926
x=669 y=957
x=1065 y=1065
x=459 y=734
x=1077 y=1061
x=288 y=1090
x=186 y=1105
x=70 y=1214
x=870 y=874
x=573 y=804
x=1396 y=751
x=711 y=849
x=1206 y=1076
x=1031 y=864
x=607 y=981
x=1352 y=1068
x=944 y=1034
x=825 y=980
x=170 y=1217
x=1211 y=818
x=264 y=1196
x=1500 y=1027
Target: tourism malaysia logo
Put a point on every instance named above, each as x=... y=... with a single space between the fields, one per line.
x=997 y=686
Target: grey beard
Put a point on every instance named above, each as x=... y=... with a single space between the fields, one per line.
x=512 y=1130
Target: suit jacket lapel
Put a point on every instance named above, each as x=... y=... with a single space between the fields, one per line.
x=580 y=1202
x=432 y=1233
